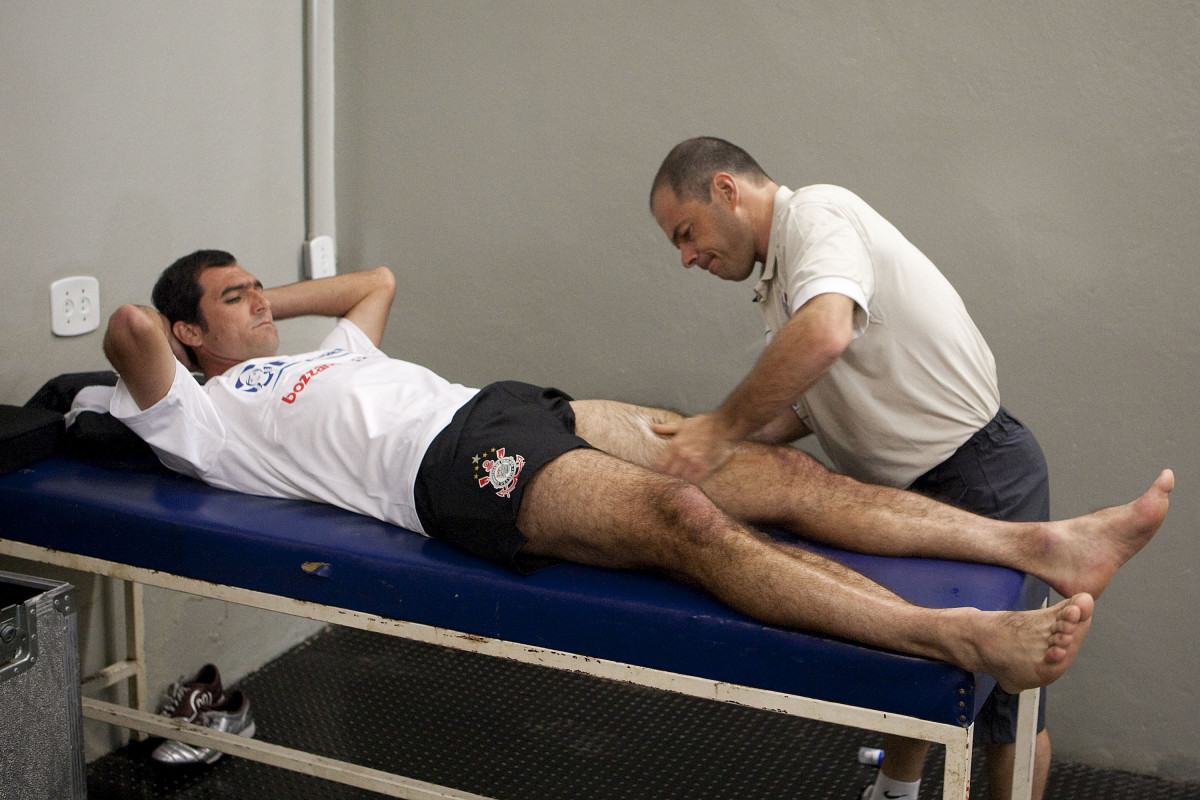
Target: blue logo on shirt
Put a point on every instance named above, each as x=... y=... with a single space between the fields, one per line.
x=260 y=375
x=254 y=377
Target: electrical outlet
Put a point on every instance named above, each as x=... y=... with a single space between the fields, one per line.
x=320 y=257
x=74 y=305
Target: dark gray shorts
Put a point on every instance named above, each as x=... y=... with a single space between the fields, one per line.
x=471 y=479
x=1001 y=473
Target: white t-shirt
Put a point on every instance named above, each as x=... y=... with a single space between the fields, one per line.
x=918 y=380
x=344 y=425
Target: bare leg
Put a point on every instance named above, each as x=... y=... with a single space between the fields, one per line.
x=590 y=507
x=784 y=487
x=800 y=494
x=904 y=760
x=1000 y=768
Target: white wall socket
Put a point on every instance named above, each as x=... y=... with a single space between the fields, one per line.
x=74 y=305
x=320 y=257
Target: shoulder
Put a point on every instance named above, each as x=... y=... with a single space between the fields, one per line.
x=824 y=194
x=348 y=336
x=814 y=209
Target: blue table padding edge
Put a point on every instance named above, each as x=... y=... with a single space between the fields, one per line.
x=142 y=515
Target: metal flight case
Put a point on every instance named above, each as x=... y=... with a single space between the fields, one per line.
x=41 y=735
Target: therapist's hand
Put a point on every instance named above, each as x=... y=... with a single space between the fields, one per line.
x=698 y=446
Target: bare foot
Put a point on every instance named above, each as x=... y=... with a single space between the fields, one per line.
x=1024 y=649
x=1084 y=553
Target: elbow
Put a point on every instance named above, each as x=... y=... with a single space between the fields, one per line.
x=837 y=342
x=385 y=281
x=122 y=326
x=827 y=348
x=385 y=276
x=128 y=328
x=829 y=356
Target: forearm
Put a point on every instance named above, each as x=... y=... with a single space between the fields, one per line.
x=139 y=344
x=323 y=297
x=813 y=339
x=785 y=371
x=363 y=297
x=785 y=428
x=760 y=406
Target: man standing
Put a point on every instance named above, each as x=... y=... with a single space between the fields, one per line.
x=872 y=350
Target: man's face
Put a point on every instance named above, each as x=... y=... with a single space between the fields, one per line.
x=237 y=317
x=712 y=236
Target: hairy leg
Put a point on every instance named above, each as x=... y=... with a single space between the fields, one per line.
x=1072 y=556
x=784 y=487
x=593 y=508
x=802 y=495
x=622 y=429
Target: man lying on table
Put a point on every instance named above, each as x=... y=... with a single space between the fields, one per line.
x=525 y=476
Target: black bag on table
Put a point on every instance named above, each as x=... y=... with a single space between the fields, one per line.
x=27 y=435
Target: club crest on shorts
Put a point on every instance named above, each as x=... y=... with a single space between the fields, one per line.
x=501 y=471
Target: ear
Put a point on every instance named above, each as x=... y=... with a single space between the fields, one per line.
x=187 y=333
x=725 y=186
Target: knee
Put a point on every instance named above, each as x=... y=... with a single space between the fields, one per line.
x=688 y=519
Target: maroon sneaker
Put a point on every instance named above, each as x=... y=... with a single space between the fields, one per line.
x=188 y=699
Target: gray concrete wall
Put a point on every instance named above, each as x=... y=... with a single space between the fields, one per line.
x=498 y=156
x=134 y=132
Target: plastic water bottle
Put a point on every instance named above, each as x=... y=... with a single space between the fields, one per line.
x=871 y=756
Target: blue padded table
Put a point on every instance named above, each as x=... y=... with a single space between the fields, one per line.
x=138 y=522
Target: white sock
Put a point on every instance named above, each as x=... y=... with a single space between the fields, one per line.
x=890 y=789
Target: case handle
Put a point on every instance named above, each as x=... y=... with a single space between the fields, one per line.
x=18 y=641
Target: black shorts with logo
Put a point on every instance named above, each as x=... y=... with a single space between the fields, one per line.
x=471 y=480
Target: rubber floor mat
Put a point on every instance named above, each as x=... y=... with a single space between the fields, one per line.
x=517 y=731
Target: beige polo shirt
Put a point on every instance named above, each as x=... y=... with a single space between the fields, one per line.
x=918 y=380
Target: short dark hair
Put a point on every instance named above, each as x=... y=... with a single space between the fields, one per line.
x=177 y=292
x=690 y=166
